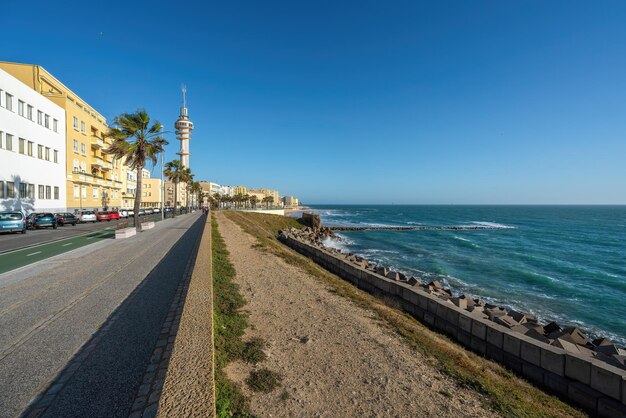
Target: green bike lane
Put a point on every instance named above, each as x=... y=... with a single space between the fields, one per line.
x=22 y=257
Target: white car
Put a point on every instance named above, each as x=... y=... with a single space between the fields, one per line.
x=123 y=213
x=87 y=216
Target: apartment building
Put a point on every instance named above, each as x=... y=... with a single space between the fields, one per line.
x=151 y=191
x=93 y=178
x=32 y=149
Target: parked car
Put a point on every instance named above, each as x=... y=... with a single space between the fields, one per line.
x=131 y=212
x=149 y=211
x=41 y=220
x=114 y=215
x=142 y=212
x=103 y=216
x=156 y=210
x=123 y=213
x=87 y=216
x=66 y=218
x=12 y=222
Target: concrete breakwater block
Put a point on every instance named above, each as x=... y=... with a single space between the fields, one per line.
x=125 y=233
x=147 y=225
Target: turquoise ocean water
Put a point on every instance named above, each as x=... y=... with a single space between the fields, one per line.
x=562 y=263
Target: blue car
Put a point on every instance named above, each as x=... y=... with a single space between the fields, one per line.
x=12 y=222
x=40 y=220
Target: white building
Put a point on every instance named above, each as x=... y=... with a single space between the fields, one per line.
x=32 y=149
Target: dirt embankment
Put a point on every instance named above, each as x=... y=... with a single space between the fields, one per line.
x=336 y=359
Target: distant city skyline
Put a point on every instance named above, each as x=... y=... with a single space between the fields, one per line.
x=362 y=102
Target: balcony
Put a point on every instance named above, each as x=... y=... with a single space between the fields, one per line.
x=97 y=143
x=101 y=164
x=83 y=178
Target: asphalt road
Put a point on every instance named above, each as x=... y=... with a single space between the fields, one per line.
x=18 y=250
x=121 y=293
x=13 y=241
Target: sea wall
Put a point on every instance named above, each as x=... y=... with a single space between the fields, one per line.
x=592 y=384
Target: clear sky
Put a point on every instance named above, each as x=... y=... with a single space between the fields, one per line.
x=360 y=101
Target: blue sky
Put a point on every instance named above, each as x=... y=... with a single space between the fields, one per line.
x=360 y=101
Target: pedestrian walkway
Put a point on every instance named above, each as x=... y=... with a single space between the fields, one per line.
x=81 y=332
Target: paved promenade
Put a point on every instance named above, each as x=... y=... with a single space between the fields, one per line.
x=119 y=293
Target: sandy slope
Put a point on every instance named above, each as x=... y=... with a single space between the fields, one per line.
x=335 y=358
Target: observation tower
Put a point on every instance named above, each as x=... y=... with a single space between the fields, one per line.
x=183 y=130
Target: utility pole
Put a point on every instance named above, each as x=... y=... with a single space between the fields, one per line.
x=162 y=182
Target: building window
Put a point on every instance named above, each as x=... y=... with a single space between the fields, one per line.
x=29 y=112
x=1 y=135
x=83 y=150
x=95 y=193
x=22 y=145
x=40 y=152
x=8 y=142
x=56 y=156
x=8 y=103
x=48 y=192
x=76 y=166
x=40 y=117
x=55 y=125
x=76 y=195
x=1 y=189
x=47 y=154
x=31 y=191
x=75 y=123
x=41 y=191
x=10 y=189
x=56 y=192
x=83 y=192
x=23 y=190
x=82 y=127
x=20 y=108
x=47 y=121
x=76 y=145
x=30 y=148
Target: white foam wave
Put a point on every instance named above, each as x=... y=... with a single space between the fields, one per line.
x=493 y=225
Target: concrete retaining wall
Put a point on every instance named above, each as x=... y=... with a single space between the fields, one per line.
x=594 y=385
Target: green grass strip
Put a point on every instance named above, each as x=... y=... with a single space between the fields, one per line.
x=229 y=326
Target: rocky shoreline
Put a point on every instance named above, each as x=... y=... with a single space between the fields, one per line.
x=571 y=339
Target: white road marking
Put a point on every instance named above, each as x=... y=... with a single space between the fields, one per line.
x=28 y=255
x=65 y=245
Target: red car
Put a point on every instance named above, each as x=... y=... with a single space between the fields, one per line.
x=114 y=215
x=103 y=216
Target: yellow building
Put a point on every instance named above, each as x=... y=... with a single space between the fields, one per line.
x=181 y=200
x=93 y=178
x=151 y=191
x=240 y=190
x=129 y=186
x=266 y=193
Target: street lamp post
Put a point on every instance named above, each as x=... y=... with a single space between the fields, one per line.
x=162 y=182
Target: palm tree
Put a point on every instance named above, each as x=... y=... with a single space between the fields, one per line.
x=136 y=142
x=270 y=200
x=188 y=180
x=174 y=173
x=196 y=188
x=218 y=199
x=254 y=200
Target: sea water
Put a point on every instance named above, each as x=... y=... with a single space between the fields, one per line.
x=561 y=263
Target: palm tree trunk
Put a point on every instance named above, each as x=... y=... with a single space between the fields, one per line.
x=138 y=199
x=175 y=198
